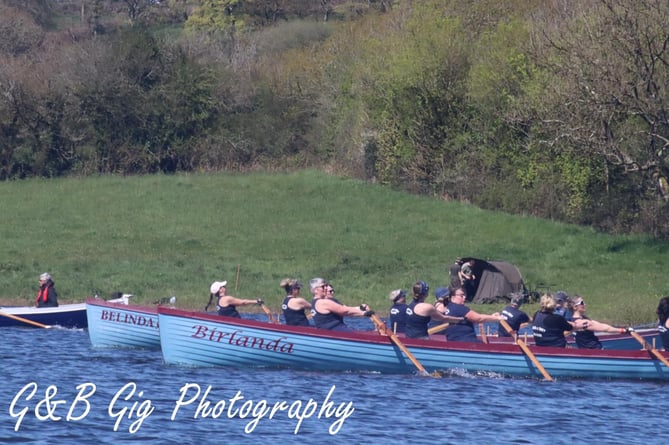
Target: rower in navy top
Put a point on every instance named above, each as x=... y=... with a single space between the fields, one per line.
x=464 y=330
x=549 y=328
x=398 y=312
x=663 y=318
x=513 y=315
x=293 y=305
x=225 y=304
x=441 y=296
x=587 y=339
x=328 y=313
x=420 y=313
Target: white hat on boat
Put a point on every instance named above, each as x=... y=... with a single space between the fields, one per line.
x=45 y=276
x=216 y=286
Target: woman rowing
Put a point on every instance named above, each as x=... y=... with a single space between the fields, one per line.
x=420 y=313
x=663 y=318
x=328 y=312
x=227 y=305
x=464 y=330
x=293 y=305
x=587 y=339
x=549 y=328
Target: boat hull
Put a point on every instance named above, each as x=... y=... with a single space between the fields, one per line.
x=115 y=324
x=197 y=339
x=65 y=315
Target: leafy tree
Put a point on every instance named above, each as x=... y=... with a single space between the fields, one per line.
x=19 y=32
x=613 y=105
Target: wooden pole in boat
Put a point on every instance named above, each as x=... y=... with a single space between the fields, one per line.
x=237 y=277
x=527 y=351
x=437 y=328
x=24 y=320
x=650 y=349
x=484 y=337
x=381 y=326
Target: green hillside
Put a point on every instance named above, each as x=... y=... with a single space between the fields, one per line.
x=155 y=236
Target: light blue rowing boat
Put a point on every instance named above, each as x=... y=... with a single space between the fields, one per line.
x=200 y=339
x=116 y=323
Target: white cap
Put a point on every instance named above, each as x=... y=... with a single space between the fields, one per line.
x=216 y=286
x=45 y=276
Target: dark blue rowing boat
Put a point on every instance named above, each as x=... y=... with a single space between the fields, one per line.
x=65 y=315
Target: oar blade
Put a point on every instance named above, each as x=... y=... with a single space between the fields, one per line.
x=527 y=351
x=381 y=326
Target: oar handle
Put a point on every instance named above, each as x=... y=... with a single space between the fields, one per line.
x=650 y=349
x=482 y=333
x=437 y=328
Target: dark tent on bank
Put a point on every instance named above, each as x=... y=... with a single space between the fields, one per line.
x=495 y=281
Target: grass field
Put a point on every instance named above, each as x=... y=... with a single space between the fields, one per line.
x=156 y=236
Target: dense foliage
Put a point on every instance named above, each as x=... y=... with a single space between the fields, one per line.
x=553 y=108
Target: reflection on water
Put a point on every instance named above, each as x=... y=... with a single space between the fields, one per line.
x=131 y=396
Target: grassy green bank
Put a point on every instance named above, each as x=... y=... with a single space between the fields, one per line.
x=155 y=236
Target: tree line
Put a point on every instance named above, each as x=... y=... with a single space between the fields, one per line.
x=551 y=108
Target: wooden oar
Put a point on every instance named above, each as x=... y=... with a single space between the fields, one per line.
x=527 y=351
x=652 y=350
x=437 y=328
x=484 y=337
x=24 y=320
x=269 y=314
x=381 y=326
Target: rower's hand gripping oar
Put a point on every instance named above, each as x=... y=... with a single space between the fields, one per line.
x=25 y=320
x=527 y=351
x=381 y=326
x=645 y=345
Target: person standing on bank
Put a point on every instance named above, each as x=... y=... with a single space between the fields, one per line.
x=587 y=339
x=468 y=280
x=227 y=305
x=398 y=311
x=663 y=318
x=513 y=315
x=549 y=328
x=47 y=296
x=420 y=313
x=464 y=330
x=294 y=306
x=454 y=275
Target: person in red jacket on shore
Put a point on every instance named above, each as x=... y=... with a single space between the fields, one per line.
x=47 y=296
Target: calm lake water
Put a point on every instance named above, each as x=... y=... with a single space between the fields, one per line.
x=58 y=389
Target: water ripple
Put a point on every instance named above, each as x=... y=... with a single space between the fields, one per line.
x=460 y=408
